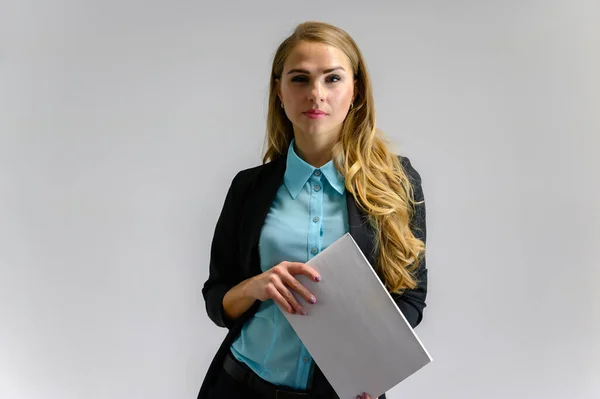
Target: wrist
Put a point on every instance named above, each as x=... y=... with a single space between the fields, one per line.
x=247 y=289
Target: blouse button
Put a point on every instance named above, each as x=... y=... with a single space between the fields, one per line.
x=317 y=188
x=313 y=250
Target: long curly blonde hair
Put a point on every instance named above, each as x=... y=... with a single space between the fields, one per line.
x=373 y=174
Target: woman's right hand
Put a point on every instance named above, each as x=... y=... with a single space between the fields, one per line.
x=276 y=283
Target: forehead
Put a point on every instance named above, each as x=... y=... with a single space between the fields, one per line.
x=318 y=56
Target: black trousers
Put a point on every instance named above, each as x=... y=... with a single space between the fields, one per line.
x=227 y=387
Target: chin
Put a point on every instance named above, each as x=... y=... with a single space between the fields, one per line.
x=316 y=128
x=316 y=132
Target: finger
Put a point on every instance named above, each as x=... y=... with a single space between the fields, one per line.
x=285 y=274
x=297 y=286
x=287 y=295
x=303 y=268
x=274 y=294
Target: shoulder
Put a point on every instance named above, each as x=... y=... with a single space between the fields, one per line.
x=246 y=175
x=409 y=169
x=247 y=179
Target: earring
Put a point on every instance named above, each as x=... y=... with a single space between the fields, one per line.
x=281 y=105
x=351 y=105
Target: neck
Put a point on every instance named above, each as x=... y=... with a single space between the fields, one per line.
x=316 y=151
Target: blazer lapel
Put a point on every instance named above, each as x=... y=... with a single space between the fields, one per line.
x=258 y=202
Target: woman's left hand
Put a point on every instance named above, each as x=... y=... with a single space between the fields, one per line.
x=364 y=396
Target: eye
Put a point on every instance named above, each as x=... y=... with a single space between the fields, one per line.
x=299 y=78
x=330 y=78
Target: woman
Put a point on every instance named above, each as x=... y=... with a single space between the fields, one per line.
x=327 y=171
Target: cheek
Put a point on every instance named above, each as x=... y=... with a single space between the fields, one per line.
x=294 y=94
x=341 y=98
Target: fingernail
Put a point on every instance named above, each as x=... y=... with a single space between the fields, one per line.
x=358 y=397
x=318 y=278
x=303 y=311
x=313 y=300
x=364 y=396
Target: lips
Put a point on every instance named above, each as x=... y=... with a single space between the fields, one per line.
x=316 y=112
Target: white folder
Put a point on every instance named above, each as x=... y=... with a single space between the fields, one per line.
x=355 y=332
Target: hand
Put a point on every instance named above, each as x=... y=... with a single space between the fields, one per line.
x=364 y=396
x=276 y=282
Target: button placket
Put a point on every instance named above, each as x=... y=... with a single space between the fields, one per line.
x=316 y=209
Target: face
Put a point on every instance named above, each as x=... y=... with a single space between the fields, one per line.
x=316 y=77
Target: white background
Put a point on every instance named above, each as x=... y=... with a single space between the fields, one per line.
x=123 y=122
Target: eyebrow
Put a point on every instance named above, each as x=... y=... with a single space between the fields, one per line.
x=308 y=73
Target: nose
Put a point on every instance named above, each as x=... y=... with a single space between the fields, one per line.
x=316 y=92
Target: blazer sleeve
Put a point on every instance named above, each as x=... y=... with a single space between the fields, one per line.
x=412 y=302
x=224 y=264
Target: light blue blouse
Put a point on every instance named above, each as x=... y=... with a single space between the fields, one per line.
x=308 y=214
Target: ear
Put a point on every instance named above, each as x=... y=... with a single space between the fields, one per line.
x=278 y=86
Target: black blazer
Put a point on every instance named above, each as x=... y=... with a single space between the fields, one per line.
x=234 y=255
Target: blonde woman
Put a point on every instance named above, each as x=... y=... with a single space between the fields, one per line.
x=327 y=171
